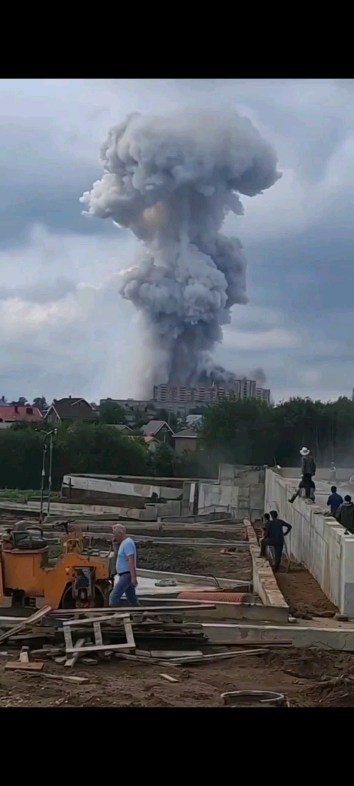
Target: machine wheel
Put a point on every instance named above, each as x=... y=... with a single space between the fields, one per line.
x=68 y=602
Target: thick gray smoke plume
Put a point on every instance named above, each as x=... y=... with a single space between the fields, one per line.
x=172 y=180
x=260 y=377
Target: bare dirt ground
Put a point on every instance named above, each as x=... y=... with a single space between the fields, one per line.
x=297 y=673
x=302 y=593
x=206 y=561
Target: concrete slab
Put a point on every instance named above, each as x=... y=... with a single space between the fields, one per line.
x=188 y=578
x=314 y=634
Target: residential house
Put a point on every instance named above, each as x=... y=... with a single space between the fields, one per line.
x=151 y=442
x=68 y=410
x=187 y=439
x=10 y=414
x=122 y=428
x=158 y=429
x=133 y=410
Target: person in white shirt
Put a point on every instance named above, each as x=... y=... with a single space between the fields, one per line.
x=126 y=568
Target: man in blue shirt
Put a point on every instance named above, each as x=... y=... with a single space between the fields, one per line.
x=126 y=568
x=334 y=500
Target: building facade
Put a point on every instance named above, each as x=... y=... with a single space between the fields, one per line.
x=184 y=394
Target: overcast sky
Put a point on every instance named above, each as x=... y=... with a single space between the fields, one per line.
x=65 y=328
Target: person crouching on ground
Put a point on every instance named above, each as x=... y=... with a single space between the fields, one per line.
x=126 y=568
x=334 y=500
x=274 y=536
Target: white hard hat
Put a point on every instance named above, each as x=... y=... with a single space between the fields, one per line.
x=304 y=451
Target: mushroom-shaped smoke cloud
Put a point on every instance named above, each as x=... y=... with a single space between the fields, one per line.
x=172 y=180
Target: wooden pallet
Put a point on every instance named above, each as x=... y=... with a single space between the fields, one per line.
x=99 y=646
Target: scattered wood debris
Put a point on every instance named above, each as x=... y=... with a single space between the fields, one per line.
x=17 y=665
x=168 y=678
x=38 y=615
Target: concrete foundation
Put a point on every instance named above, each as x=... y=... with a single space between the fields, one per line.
x=313 y=635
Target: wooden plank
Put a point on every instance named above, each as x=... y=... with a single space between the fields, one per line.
x=41 y=633
x=135 y=609
x=47 y=652
x=62 y=677
x=67 y=637
x=176 y=654
x=25 y=622
x=169 y=678
x=97 y=632
x=101 y=647
x=70 y=662
x=129 y=632
x=95 y=620
x=16 y=665
x=216 y=657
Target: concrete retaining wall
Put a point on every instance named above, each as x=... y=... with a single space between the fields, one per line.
x=239 y=491
x=317 y=541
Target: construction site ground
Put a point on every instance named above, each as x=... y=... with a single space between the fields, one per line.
x=309 y=678
x=301 y=591
x=206 y=561
x=303 y=594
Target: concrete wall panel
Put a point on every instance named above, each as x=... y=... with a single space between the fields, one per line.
x=317 y=541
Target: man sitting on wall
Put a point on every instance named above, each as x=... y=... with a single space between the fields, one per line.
x=274 y=536
x=302 y=491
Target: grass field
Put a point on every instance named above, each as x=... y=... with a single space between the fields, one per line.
x=22 y=495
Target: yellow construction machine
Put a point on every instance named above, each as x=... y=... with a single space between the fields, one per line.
x=80 y=578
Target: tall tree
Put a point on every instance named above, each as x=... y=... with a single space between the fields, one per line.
x=111 y=412
x=40 y=403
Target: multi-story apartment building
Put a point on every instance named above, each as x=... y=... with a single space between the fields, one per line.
x=262 y=394
x=183 y=394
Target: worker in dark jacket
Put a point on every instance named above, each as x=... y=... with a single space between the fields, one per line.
x=334 y=500
x=345 y=514
x=274 y=536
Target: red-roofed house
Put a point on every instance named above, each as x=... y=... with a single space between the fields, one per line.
x=15 y=413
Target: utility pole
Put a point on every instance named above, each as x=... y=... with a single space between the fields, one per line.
x=49 y=433
x=42 y=480
x=50 y=471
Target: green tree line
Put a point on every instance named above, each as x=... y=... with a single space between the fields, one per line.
x=251 y=432
x=241 y=432
x=91 y=448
